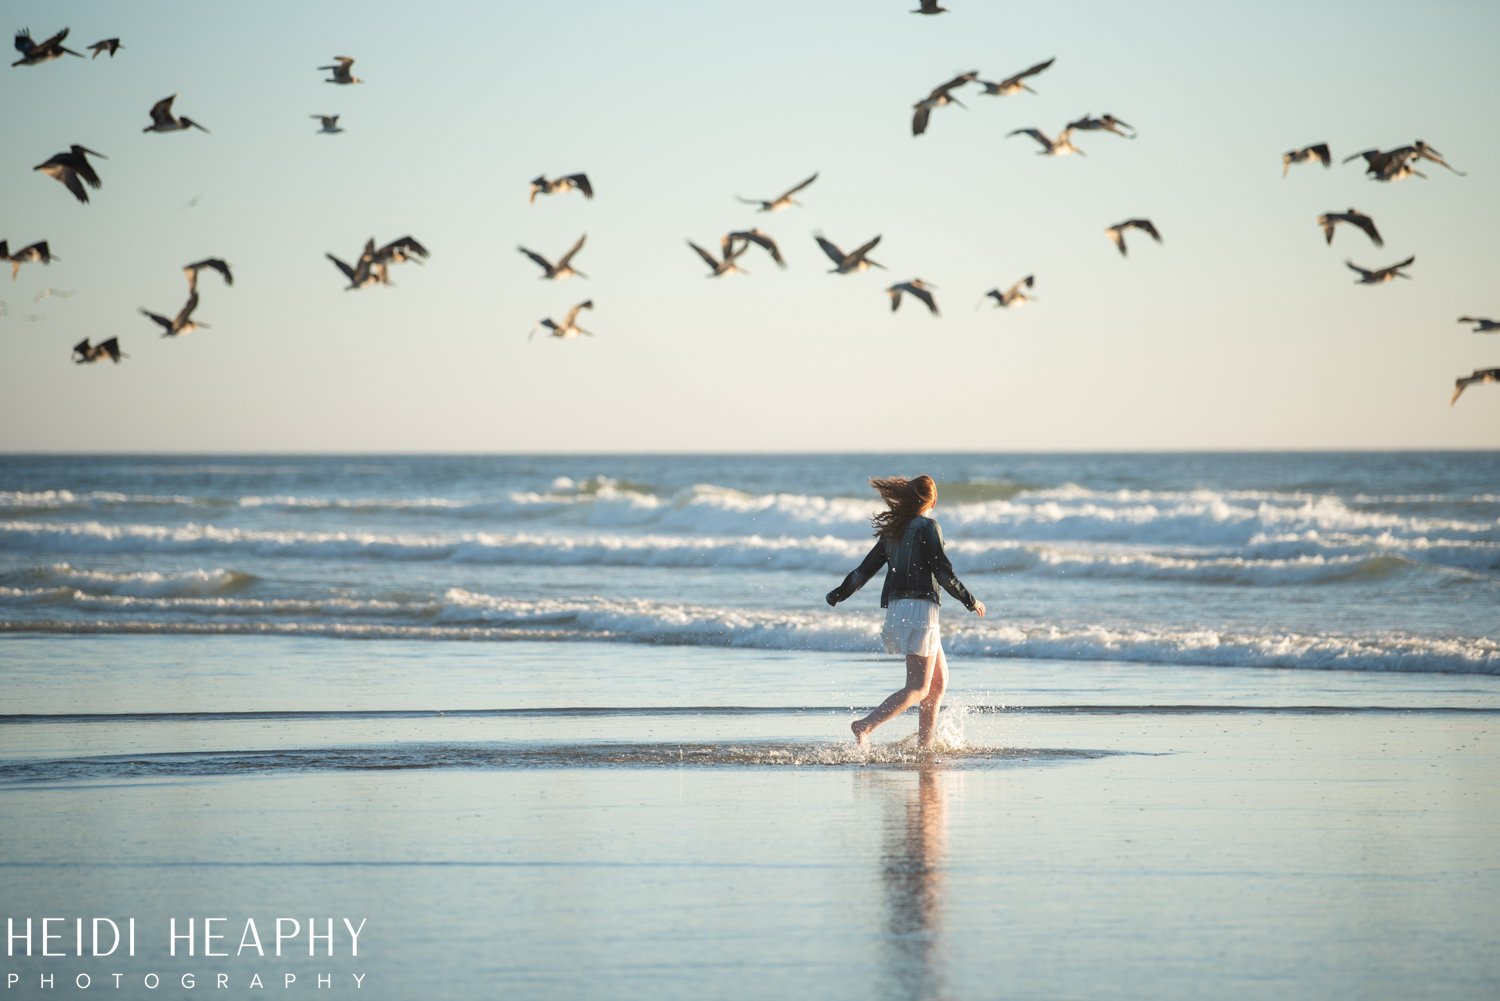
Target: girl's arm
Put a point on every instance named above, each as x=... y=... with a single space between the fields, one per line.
x=942 y=568
x=868 y=568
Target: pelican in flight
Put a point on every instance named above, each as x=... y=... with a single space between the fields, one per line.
x=1015 y=84
x=561 y=185
x=1109 y=123
x=37 y=253
x=749 y=236
x=1353 y=217
x=782 y=200
x=52 y=293
x=162 y=119
x=213 y=264
x=917 y=288
x=1381 y=275
x=941 y=94
x=365 y=271
x=718 y=268
x=1317 y=151
x=399 y=251
x=569 y=327
x=84 y=352
x=69 y=167
x=1062 y=146
x=330 y=124
x=340 y=70
x=182 y=323
x=1117 y=231
x=110 y=45
x=1012 y=296
x=929 y=7
x=1463 y=382
x=1390 y=165
x=855 y=260
x=1422 y=151
x=33 y=53
x=1481 y=325
x=563 y=268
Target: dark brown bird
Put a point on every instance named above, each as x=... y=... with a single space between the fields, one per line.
x=162 y=119
x=541 y=186
x=941 y=94
x=1481 y=325
x=755 y=236
x=917 y=288
x=563 y=268
x=69 y=167
x=84 y=352
x=782 y=200
x=213 y=263
x=1015 y=84
x=110 y=45
x=929 y=7
x=1463 y=382
x=1355 y=218
x=33 y=53
x=1381 y=275
x=1318 y=151
x=1117 y=231
x=37 y=253
x=182 y=323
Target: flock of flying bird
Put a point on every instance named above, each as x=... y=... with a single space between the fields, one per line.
x=74 y=171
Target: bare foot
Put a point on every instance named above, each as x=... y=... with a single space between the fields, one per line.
x=861 y=732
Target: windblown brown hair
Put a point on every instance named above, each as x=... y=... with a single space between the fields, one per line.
x=904 y=499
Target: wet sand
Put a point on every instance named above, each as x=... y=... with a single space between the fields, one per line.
x=1092 y=834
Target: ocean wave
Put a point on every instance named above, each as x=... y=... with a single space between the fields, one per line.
x=467 y=615
x=1285 y=561
x=142 y=584
x=997 y=510
x=1296 y=559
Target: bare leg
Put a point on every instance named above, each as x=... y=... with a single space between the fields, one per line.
x=927 y=713
x=919 y=672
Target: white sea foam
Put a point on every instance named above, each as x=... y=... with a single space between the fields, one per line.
x=1292 y=558
x=466 y=615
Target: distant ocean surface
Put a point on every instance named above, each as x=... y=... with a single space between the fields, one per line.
x=1358 y=561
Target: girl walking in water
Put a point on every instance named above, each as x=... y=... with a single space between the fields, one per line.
x=912 y=545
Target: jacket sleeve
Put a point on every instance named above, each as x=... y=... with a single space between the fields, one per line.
x=857 y=578
x=942 y=569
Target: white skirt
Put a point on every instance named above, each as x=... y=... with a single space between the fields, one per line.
x=911 y=627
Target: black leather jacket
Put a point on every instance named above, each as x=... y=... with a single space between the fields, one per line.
x=927 y=567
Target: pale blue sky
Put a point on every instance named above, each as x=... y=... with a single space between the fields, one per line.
x=1243 y=330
